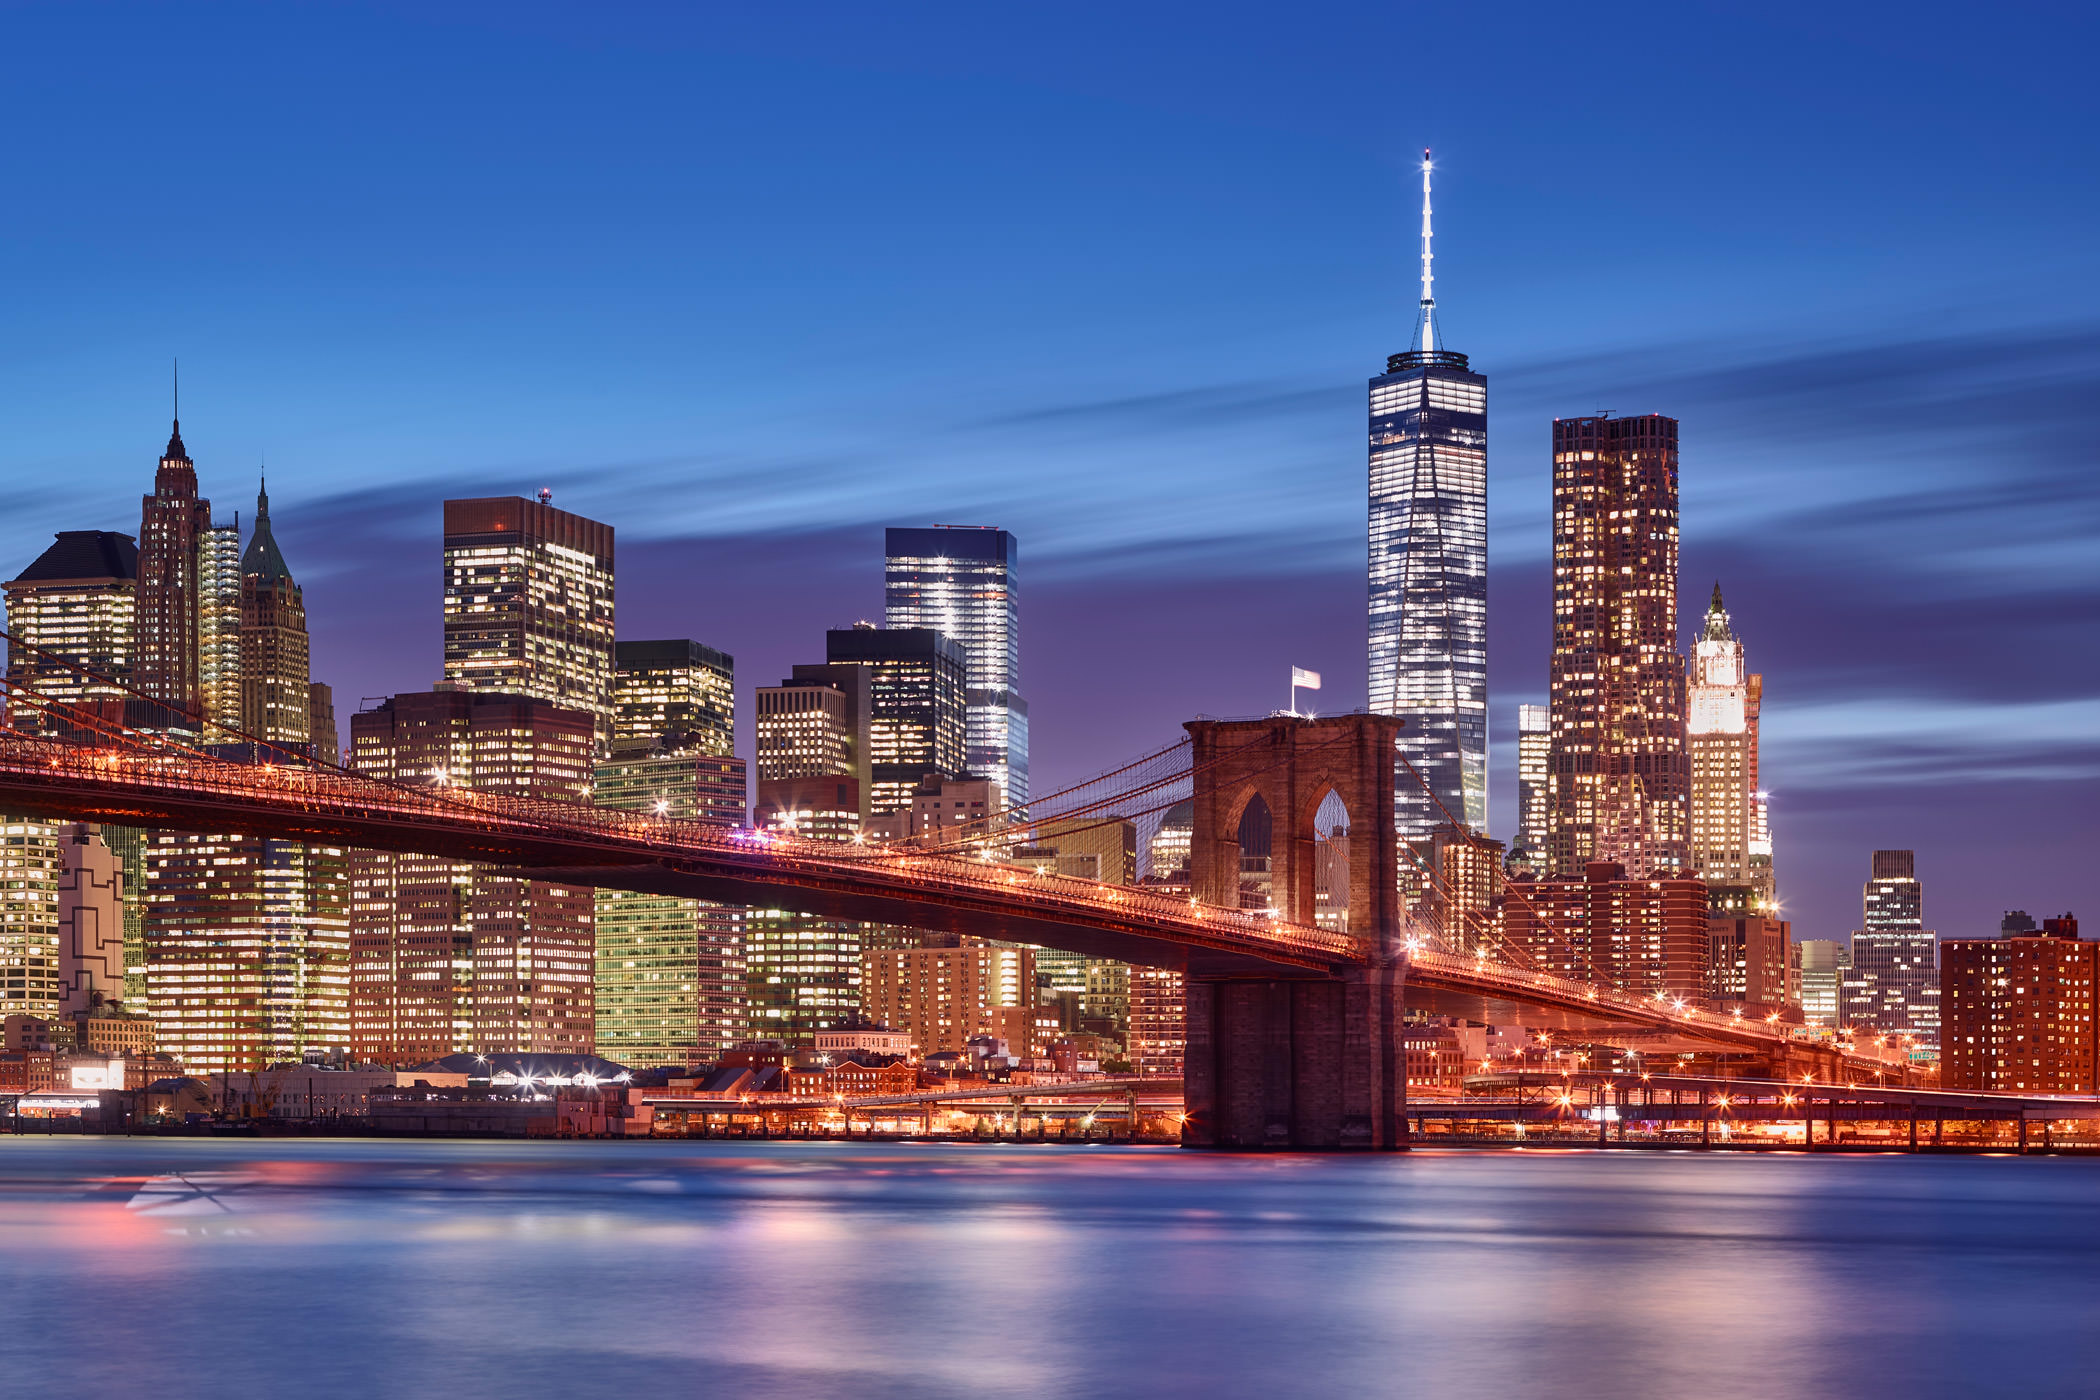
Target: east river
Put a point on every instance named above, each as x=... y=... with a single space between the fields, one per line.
x=239 y=1268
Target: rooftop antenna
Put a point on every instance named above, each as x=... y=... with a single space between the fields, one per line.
x=178 y=391
x=1428 y=336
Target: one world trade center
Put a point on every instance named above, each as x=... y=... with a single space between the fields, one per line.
x=1428 y=570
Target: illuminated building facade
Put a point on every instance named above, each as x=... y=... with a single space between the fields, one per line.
x=670 y=971
x=1819 y=969
x=79 y=601
x=529 y=604
x=1640 y=935
x=1750 y=958
x=171 y=530
x=1534 y=763
x=31 y=865
x=1428 y=570
x=1729 y=845
x=219 y=631
x=676 y=694
x=1893 y=985
x=449 y=956
x=960 y=581
x=1159 y=1013
x=917 y=725
x=812 y=749
x=276 y=684
x=2019 y=1010
x=940 y=997
x=247 y=949
x=1618 y=783
x=801 y=973
x=1458 y=905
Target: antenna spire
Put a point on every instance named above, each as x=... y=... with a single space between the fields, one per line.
x=1428 y=325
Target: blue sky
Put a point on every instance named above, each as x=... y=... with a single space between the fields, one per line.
x=752 y=285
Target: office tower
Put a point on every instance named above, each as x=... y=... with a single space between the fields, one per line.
x=320 y=722
x=670 y=971
x=75 y=606
x=1168 y=853
x=801 y=972
x=916 y=717
x=1893 y=984
x=247 y=949
x=90 y=922
x=1749 y=962
x=219 y=631
x=1428 y=570
x=1534 y=762
x=2019 y=1010
x=31 y=864
x=676 y=694
x=450 y=956
x=960 y=581
x=1820 y=965
x=812 y=751
x=1617 y=782
x=529 y=604
x=171 y=530
x=1722 y=700
x=1458 y=904
x=941 y=997
x=276 y=687
x=1639 y=935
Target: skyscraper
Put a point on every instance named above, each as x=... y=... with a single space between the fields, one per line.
x=1820 y=965
x=674 y=694
x=31 y=866
x=172 y=524
x=1893 y=985
x=76 y=606
x=1727 y=843
x=917 y=678
x=1618 y=782
x=960 y=581
x=219 y=631
x=448 y=955
x=529 y=604
x=2019 y=1010
x=276 y=684
x=1534 y=763
x=247 y=949
x=670 y=972
x=1428 y=570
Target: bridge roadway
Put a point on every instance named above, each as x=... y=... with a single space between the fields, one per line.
x=593 y=846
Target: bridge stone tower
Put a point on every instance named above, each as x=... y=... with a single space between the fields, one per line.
x=1310 y=1062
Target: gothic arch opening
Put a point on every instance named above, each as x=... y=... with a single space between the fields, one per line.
x=1331 y=863
x=1257 y=838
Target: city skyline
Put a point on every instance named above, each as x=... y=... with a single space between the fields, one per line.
x=1817 y=560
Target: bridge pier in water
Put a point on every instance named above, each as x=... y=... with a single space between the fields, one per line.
x=1298 y=1062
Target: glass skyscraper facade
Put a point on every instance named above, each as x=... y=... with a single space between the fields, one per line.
x=1428 y=582
x=960 y=581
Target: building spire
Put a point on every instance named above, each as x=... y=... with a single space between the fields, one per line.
x=1717 y=618
x=1426 y=330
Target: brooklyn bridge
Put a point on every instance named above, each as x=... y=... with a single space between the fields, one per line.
x=1294 y=1034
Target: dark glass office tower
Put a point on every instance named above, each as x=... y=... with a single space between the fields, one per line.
x=916 y=721
x=960 y=581
x=1428 y=570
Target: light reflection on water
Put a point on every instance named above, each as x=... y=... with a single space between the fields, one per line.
x=462 y=1270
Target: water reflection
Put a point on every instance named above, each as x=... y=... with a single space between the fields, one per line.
x=215 y=1268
